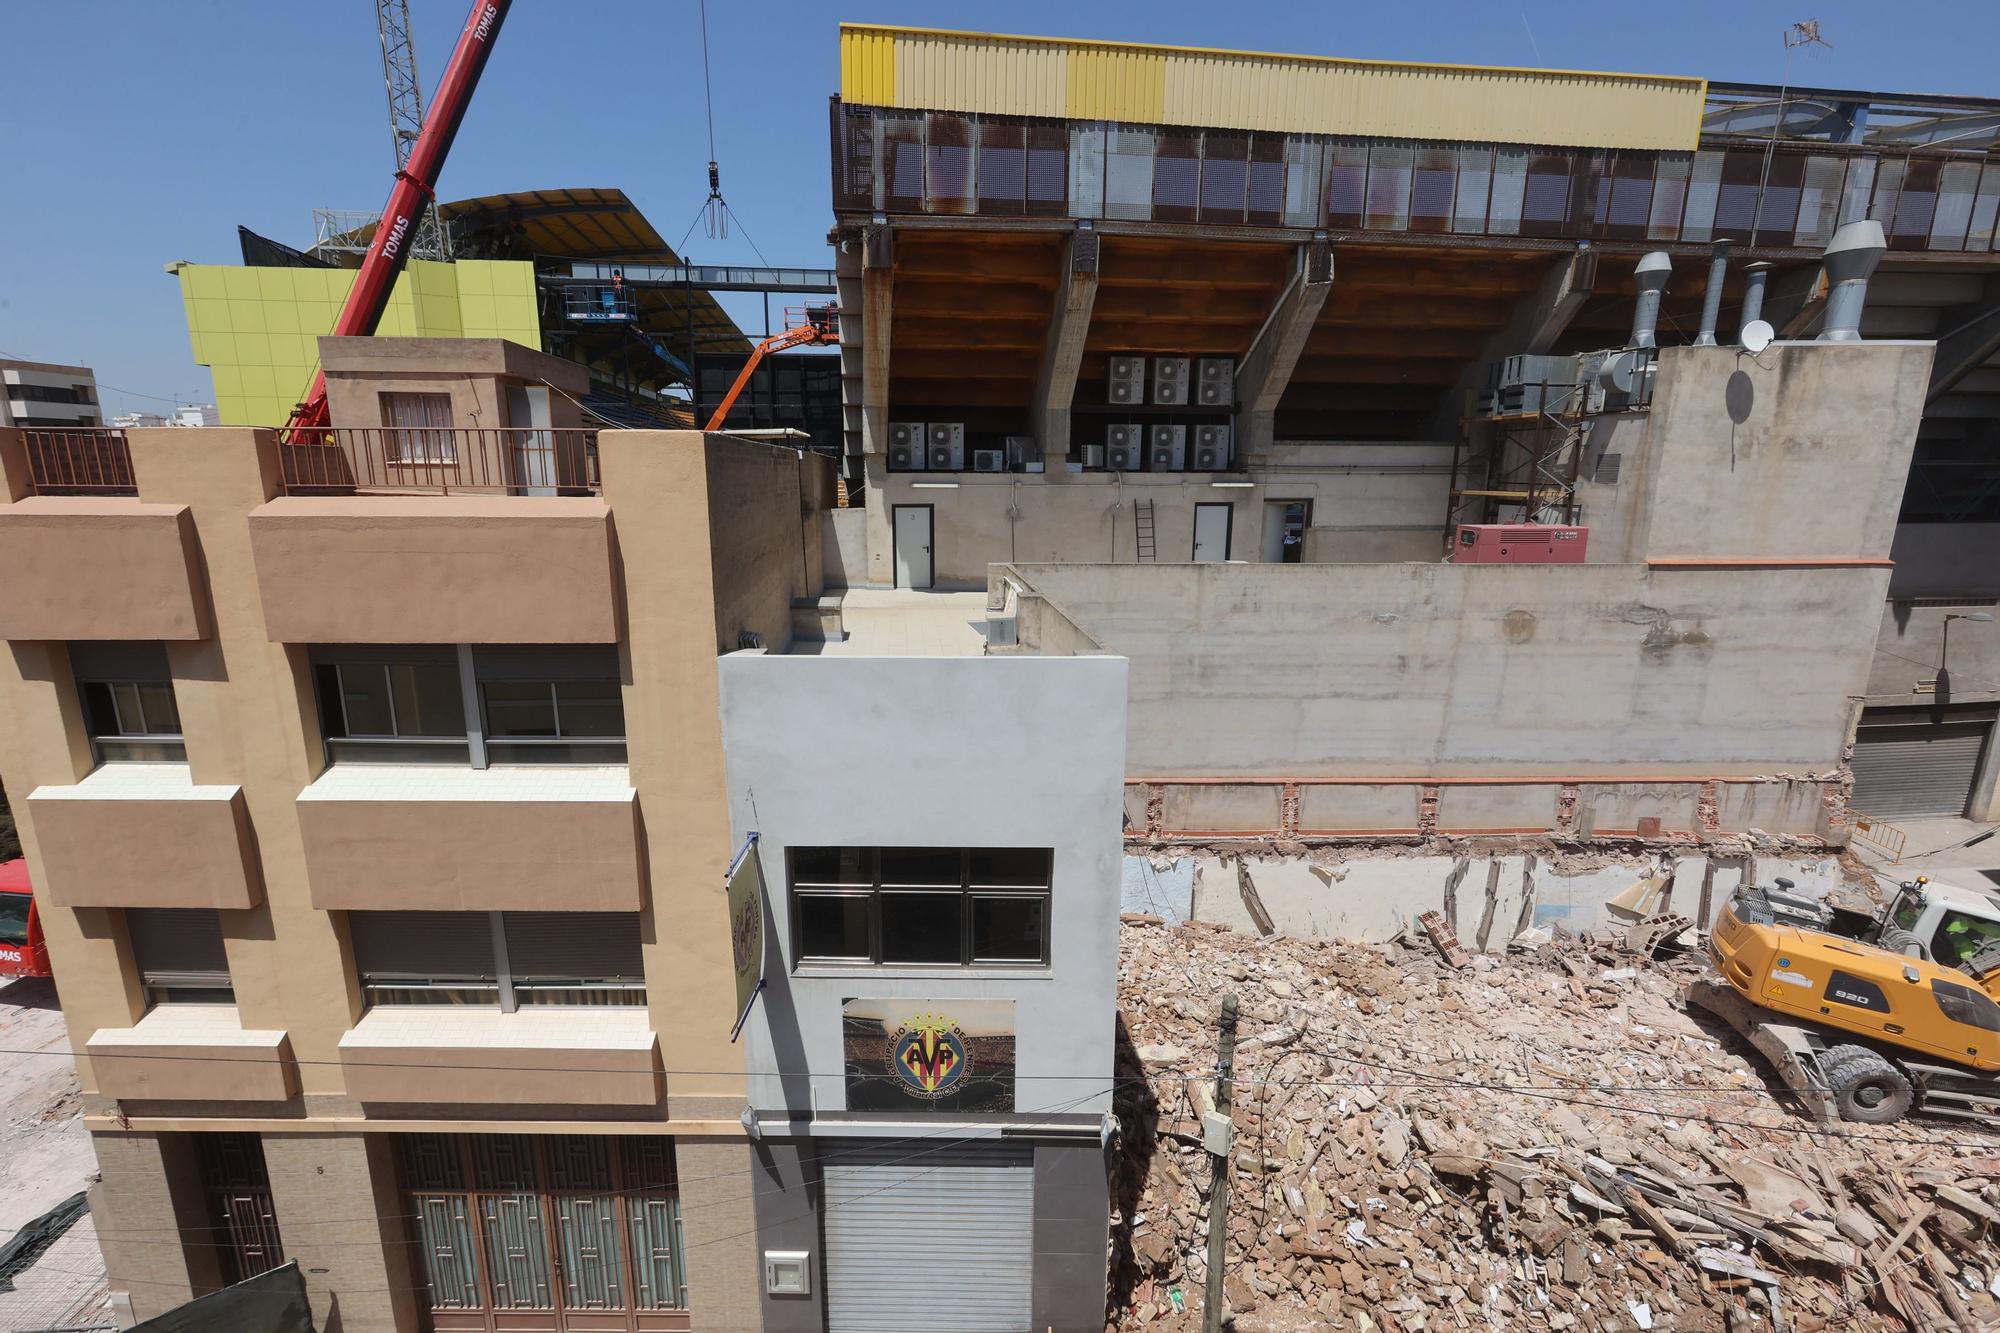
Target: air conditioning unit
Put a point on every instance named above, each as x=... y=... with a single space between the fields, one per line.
x=1170 y=380
x=1167 y=448
x=1211 y=448
x=1024 y=453
x=989 y=460
x=1124 y=448
x=945 y=444
x=1126 y=383
x=1093 y=455
x=1215 y=381
x=906 y=446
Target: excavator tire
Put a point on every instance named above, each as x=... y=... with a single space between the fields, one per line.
x=1867 y=1088
x=1897 y=940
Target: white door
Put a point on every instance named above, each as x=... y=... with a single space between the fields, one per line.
x=913 y=546
x=1211 y=532
x=533 y=443
x=1274 y=531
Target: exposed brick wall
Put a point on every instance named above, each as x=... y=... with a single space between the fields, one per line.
x=719 y=1219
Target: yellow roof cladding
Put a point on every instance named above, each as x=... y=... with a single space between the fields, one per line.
x=1170 y=85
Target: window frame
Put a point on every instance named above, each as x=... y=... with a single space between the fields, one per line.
x=613 y=746
x=459 y=744
x=123 y=744
x=436 y=439
x=877 y=889
x=504 y=988
x=179 y=985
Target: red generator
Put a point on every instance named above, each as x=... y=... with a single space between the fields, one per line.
x=22 y=952
x=1519 y=544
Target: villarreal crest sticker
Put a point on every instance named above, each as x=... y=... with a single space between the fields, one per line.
x=928 y=1052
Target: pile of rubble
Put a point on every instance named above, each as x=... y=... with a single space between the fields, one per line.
x=1544 y=1140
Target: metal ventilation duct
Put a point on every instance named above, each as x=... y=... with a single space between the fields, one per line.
x=1755 y=276
x=1655 y=267
x=1850 y=259
x=1711 y=297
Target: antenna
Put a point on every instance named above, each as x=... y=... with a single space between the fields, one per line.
x=1803 y=33
x=1757 y=335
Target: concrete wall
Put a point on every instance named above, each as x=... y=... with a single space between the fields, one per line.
x=1370 y=502
x=1487 y=899
x=1946 y=560
x=903 y=752
x=1910 y=647
x=765 y=504
x=1411 y=670
x=1800 y=451
x=844 y=547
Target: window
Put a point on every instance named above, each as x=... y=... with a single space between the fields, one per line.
x=128 y=702
x=418 y=428
x=498 y=959
x=551 y=705
x=536 y=705
x=1962 y=1004
x=1959 y=936
x=14 y=917
x=391 y=704
x=179 y=954
x=921 y=906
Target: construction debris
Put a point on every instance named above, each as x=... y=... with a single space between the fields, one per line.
x=1547 y=1141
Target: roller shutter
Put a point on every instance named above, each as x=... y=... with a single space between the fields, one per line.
x=922 y=1238
x=1917 y=768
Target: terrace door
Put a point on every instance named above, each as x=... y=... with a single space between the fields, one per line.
x=913 y=546
x=531 y=441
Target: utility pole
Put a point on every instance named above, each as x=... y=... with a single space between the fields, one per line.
x=1218 y=1141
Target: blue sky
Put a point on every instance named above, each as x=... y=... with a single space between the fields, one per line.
x=140 y=133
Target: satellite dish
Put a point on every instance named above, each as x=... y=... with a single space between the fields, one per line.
x=1757 y=335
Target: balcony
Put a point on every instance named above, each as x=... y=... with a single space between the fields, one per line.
x=193 y=1052
x=440 y=460
x=560 y=1056
x=411 y=837
x=144 y=835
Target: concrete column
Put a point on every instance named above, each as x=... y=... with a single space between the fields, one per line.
x=718 y=1220
x=13 y=465
x=878 y=304
x=339 y=1207
x=247 y=709
x=786 y=1182
x=1062 y=353
x=1264 y=372
x=151 y=1219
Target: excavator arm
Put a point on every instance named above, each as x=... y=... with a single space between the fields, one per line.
x=415 y=188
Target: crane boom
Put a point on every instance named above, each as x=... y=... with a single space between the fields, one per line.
x=416 y=184
x=820 y=328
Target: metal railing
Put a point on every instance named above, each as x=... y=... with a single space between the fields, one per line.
x=440 y=460
x=79 y=461
x=599 y=302
x=1883 y=837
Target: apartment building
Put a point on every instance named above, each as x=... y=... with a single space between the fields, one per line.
x=36 y=393
x=373 y=786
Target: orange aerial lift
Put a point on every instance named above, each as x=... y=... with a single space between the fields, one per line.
x=815 y=326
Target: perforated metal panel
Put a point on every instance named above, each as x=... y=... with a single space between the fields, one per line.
x=1917 y=769
x=931 y=1238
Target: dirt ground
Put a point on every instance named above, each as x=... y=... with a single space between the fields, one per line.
x=45 y=1157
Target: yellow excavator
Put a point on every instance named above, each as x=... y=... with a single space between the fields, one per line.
x=1868 y=1023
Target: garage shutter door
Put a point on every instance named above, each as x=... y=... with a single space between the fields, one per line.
x=1919 y=769
x=922 y=1238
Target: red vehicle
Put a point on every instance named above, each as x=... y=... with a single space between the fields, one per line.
x=23 y=953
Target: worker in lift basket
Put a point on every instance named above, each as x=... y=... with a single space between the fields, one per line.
x=614 y=299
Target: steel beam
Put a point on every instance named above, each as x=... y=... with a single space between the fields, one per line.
x=1968 y=337
x=1062 y=352
x=1265 y=370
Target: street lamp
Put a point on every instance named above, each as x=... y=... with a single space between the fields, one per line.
x=1944 y=648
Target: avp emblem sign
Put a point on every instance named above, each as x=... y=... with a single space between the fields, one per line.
x=928 y=1055
x=929 y=1052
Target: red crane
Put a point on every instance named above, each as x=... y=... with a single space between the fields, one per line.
x=416 y=187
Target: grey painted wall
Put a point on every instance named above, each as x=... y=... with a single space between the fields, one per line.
x=1911 y=647
x=936 y=752
x=1414 y=670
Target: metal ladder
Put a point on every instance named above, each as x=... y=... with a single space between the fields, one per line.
x=1142 y=528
